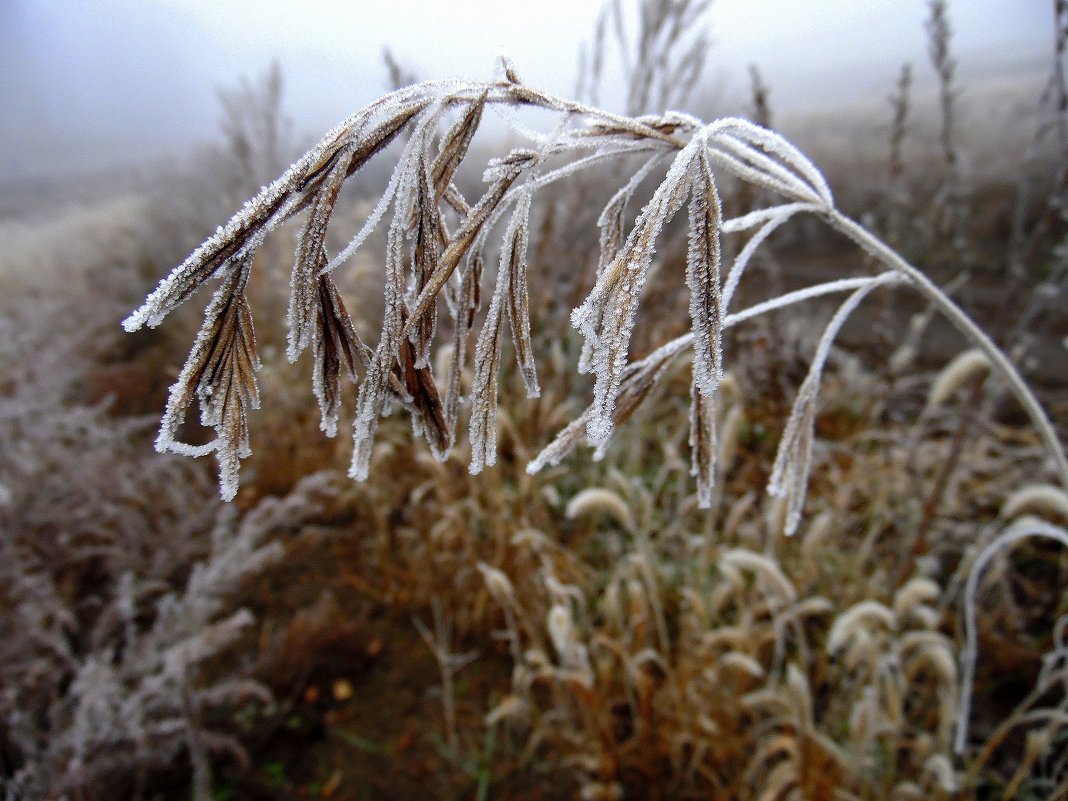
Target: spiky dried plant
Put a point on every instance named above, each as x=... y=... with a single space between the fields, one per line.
x=437 y=245
x=661 y=53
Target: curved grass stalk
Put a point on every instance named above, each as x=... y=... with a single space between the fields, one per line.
x=963 y=323
x=1020 y=530
x=435 y=247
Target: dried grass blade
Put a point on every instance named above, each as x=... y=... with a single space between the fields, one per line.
x=563 y=444
x=288 y=195
x=706 y=315
x=454 y=147
x=703 y=443
x=611 y=226
x=515 y=257
x=426 y=253
x=770 y=142
x=702 y=277
x=760 y=216
x=612 y=220
x=370 y=401
x=483 y=424
x=382 y=136
x=468 y=303
x=793 y=461
x=606 y=317
x=220 y=372
x=741 y=261
x=310 y=259
x=428 y=416
x=638 y=380
x=328 y=151
x=334 y=342
x=507 y=172
x=756 y=159
x=456 y=200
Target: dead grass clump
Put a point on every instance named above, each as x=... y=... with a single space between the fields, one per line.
x=683 y=652
x=624 y=621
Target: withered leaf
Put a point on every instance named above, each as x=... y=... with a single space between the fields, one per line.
x=220 y=372
x=514 y=259
x=508 y=171
x=703 y=438
x=334 y=344
x=703 y=277
x=454 y=146
x=428 y=413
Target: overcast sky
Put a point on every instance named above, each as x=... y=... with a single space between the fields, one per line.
x=89 y=84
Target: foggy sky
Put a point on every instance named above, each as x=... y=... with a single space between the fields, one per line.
x=114 y=82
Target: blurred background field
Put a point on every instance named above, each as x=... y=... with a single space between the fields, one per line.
x=587 y=632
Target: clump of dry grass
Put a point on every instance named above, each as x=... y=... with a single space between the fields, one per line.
x=436 y=249
x=650 y=643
